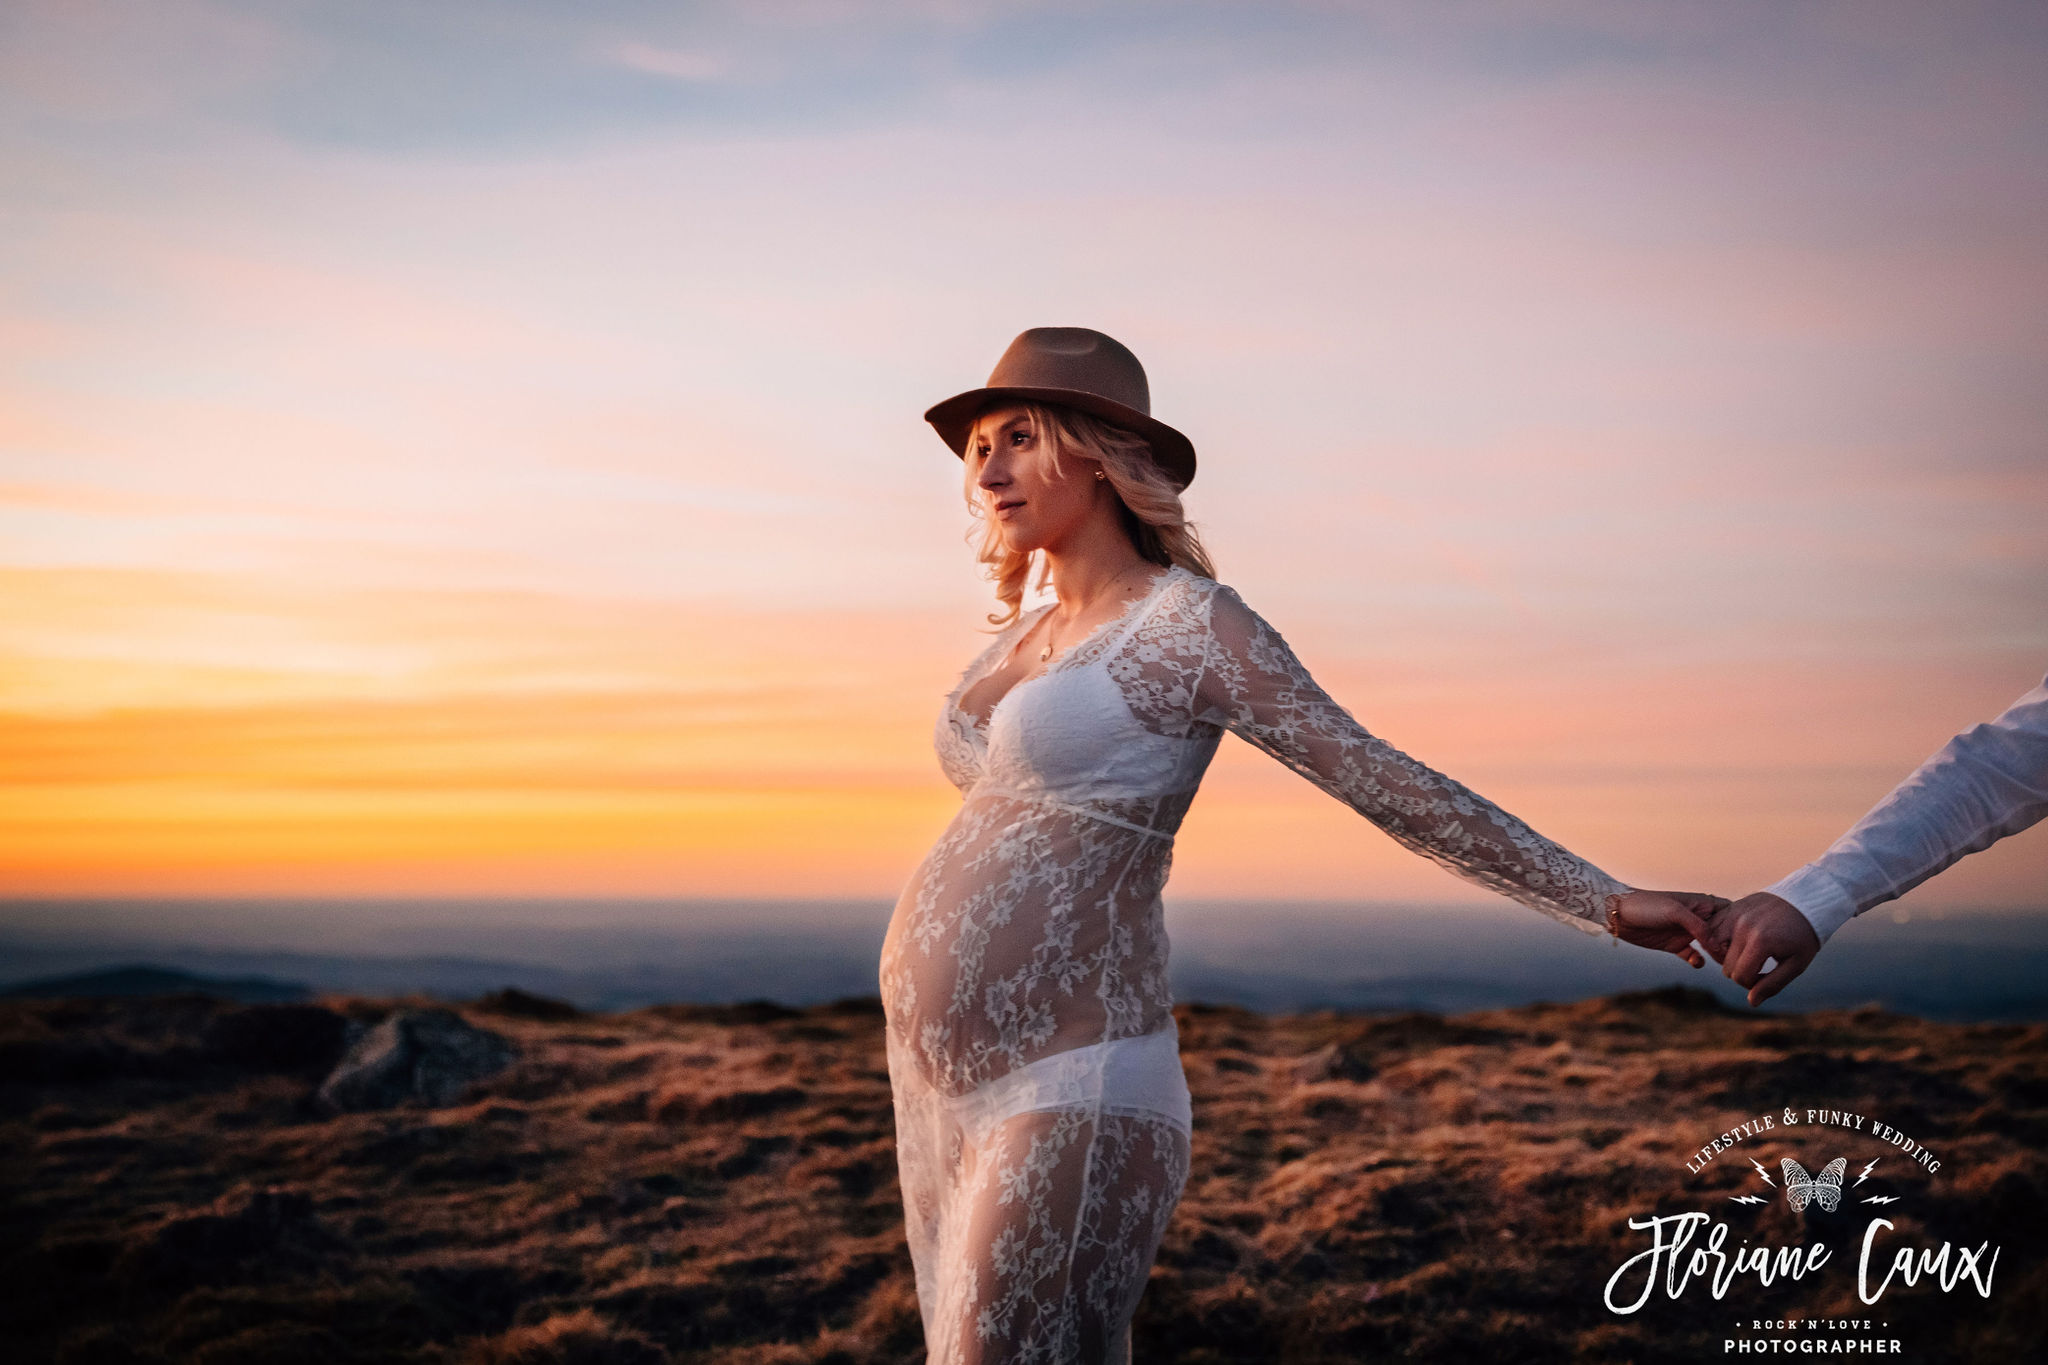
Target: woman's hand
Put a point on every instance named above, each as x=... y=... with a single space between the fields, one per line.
x=1668 y=921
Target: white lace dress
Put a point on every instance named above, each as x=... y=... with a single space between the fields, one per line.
x=1042 y=1117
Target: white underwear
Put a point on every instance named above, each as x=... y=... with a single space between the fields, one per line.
x=1133 y=1076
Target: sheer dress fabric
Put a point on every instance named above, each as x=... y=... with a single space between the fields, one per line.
x=1042 y=1115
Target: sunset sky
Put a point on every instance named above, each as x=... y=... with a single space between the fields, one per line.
x=476 y=447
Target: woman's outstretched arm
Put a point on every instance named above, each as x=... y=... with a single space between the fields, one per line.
x=1252 y=685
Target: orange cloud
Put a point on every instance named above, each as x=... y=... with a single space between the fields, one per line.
x=213 y=734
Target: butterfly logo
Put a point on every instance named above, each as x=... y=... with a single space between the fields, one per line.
x=1824 y=1189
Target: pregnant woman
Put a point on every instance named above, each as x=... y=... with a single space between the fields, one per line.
x=1042 y=1118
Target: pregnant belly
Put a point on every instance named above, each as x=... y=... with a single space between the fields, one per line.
x=1027 y=930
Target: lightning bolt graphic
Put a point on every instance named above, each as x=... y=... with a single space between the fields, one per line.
x=1764 y=1173
x=1753 y=1199
x=1882 y=1199
x=1866 y=1173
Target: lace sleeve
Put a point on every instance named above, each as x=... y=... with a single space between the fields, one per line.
x=1252 y=685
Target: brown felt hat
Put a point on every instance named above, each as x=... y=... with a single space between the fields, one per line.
x=1076 y=367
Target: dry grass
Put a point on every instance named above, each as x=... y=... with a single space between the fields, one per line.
x=688 y=1184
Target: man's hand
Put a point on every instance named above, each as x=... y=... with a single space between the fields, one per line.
x=1669 y=921
x=1758 y=928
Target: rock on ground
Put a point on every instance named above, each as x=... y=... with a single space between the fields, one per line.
x=426 y=1056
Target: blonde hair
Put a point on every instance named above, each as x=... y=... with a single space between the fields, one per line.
x=1148 y=502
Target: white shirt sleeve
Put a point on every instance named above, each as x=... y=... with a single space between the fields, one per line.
x=1989 y=781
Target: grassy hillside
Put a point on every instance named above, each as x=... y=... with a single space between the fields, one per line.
x=686 y=1184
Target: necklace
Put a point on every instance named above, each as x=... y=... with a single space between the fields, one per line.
x=1046 y=653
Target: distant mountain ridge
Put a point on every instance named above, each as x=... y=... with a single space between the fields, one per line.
x=606 y=957
x=140 y=979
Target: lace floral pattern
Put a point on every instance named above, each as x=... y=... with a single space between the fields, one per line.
x=1254 y=686
x=1034 y=929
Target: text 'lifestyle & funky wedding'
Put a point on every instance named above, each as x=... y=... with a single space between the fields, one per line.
x=1791 y=1117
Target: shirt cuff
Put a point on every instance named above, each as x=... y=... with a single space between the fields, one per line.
x=1825 y=902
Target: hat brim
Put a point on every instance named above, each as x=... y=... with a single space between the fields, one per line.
x=954 y=418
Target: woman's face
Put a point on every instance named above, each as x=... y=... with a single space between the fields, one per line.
x=1031 y=506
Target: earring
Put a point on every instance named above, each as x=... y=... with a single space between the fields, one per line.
x=1100 y=475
